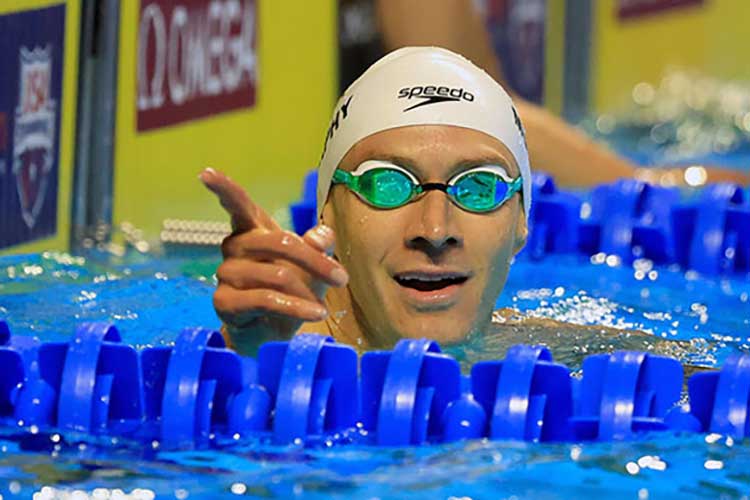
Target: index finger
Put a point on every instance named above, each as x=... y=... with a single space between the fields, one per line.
x=245 y=214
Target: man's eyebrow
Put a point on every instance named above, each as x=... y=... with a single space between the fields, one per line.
x=484 y=160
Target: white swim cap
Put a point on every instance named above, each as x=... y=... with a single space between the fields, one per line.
x=422 y=86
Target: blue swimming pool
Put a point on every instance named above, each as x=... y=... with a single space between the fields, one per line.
x=151 y=300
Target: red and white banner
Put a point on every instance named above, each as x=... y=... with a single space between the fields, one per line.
x=196 y=58
x=627 y=9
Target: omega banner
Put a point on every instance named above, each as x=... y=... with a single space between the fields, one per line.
x=195 y=58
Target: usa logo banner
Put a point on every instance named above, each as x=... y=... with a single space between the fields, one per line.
x=30 y=102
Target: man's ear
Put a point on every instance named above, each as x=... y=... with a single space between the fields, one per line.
x=522 y=233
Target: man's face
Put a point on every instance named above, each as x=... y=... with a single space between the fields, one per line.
x=428 y=268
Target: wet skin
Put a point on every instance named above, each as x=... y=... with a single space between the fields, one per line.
x=427 y=269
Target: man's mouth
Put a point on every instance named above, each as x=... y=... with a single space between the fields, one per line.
x=430 y=281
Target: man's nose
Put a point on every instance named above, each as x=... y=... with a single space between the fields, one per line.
x=433 y=227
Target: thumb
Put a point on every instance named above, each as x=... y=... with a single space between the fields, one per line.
x=323 y=238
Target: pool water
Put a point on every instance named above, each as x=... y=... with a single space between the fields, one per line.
x=685 y=118
x=700 y=320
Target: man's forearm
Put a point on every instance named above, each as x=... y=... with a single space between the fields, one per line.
x=565 y=152
x=555 y=146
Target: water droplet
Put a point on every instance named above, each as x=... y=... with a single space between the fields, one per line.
x=239 y=488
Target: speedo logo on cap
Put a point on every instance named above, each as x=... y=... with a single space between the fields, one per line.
x=432 y=94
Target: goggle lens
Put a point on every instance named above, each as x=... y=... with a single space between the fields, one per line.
x=390 y=187
x=480 y=191
x=386 y=187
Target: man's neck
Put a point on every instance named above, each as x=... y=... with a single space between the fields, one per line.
x=346 y=323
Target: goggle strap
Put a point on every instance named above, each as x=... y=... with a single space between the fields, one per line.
x=342 y=177
x=515 y=186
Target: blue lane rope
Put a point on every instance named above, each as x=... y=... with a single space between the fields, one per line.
x=308 y=390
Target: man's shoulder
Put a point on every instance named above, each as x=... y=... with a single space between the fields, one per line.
x=513 y=317
x=570 y=342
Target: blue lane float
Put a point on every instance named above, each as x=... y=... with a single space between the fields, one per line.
x=308 y=391
x=312 y=384
x=553 y=221
x=624 y=393
x=405 y=392
x=90 y=384
x=192 y=388
x=630 y=219
x=526 y=396
x=720 y=400
x=713 y=235
x=96 y=379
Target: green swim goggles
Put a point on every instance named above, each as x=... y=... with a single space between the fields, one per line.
x=386 y=185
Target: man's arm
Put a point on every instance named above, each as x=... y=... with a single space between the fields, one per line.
x=555 y=146
x=570 y=343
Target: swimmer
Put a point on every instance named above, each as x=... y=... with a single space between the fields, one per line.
x=424 y=190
